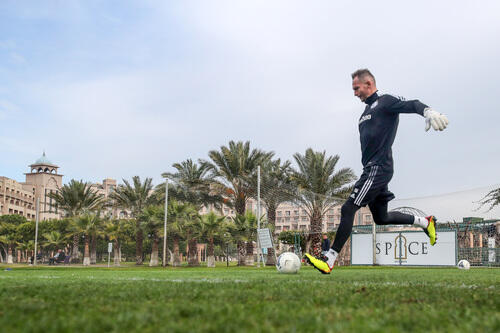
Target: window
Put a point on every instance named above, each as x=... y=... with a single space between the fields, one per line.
x=330 y=226
x=296 y=212
x=368 y=218
x=304 y=219
x=287 y=219
x=279 y=212
x=296 y=218
x=287 y=213
x=285 y=228
x=330 y=218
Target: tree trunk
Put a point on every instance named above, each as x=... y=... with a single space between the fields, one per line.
x=271 y=259
x=116 y=253
x=138 y=244
x=86 y=253
x=176 y=259
x=314 y=242
x=10 y=259
x=93 y=250
x=193 y=253
x=271 y=220
x=210 y=253
x=75 y=256
x=240 y=204
x=249 y=260
x=154 y=252
x=241 y=253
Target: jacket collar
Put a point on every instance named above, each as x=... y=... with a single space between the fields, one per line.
x=373 y=97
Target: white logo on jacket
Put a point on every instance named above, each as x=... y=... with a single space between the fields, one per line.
x=364 y=118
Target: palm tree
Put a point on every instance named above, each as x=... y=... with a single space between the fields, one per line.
x=179 y=214
x=25 y=232
x=54 y=240
x=74 y=198
x=251 y=235
x=234 y=166
x=193 y=232
x=9 y=232
x=26 y=249
x=3 y=242
x=97 y=233
x=320 y=188
x=492 y=199
x=11 y=241
x=152 y=221
x=192 y=183
x=238 y=231
x=116 y=230
x=212 y=228
x=135 y=198
x=86 y=225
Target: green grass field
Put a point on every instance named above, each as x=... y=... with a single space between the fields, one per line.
x=63 y=299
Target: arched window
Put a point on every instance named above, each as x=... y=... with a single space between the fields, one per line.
x=40 y=170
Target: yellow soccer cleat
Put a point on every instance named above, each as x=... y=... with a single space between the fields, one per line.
x=431 y=229
x=319 y=264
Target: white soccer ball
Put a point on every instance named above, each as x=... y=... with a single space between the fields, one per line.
x=463 y=264
x=288 y=263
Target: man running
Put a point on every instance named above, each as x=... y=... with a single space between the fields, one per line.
x=377 y=128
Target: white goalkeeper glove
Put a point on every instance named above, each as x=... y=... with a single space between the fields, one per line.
x=436 y=119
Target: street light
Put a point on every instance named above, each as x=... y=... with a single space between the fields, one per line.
x=165 y=225
x=226 y=235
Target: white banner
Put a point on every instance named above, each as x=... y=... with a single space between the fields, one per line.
x=265 y=238
x=404 y=248
x=491 y=251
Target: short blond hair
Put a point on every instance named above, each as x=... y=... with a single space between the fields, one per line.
x=362 y=74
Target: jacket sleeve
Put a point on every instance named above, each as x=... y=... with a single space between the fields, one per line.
x=396 y=104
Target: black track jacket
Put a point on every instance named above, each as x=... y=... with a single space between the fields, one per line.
x=378 y=126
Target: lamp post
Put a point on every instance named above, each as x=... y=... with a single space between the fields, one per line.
x=227 y=249
x=165 y=225
x=36 y=228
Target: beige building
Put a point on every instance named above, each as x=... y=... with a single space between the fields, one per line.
x=20 y=198
x=294 y=217
x=16 y=198
x=45 y=179
x=105 y=188
x=291 y=216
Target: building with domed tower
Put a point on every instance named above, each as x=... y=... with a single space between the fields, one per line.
x=20 y=198
x=45 y=179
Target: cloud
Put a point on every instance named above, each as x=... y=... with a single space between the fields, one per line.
x=132 y=90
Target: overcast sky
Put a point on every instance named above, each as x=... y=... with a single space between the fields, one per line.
x=122 y=88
